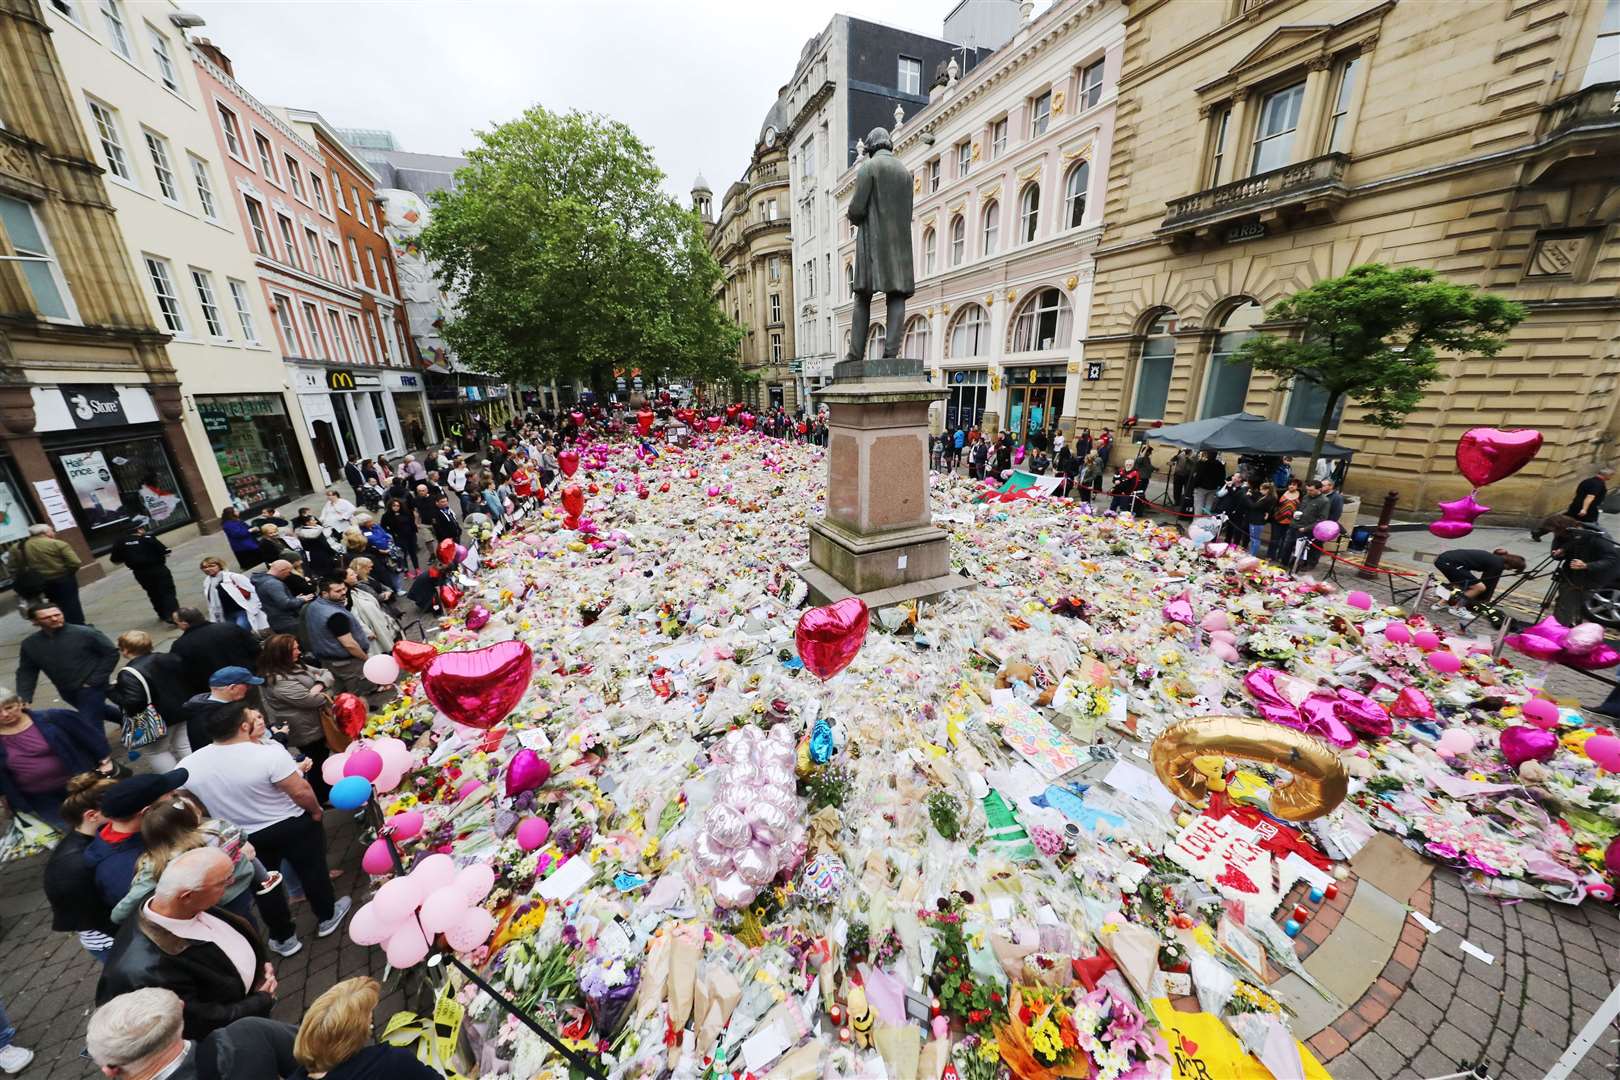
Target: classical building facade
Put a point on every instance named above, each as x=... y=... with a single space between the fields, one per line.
x=1262 y=145
x=92 y=417
x=279 y=186
x=1010 y=163
x=137 y=95
x=851 y=77
x=752 y=241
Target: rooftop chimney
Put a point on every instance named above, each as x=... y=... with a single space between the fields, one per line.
x=215 y=54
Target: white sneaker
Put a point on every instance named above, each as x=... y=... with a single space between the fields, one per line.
x=289 y=947
x=14 y=1059
x=339 y=910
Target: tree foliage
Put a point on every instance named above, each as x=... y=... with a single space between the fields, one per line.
x=1373 y=336
x=566 y=259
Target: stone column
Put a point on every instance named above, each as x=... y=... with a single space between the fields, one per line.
x=17 y=418
x=171 y=411
x=1314 y=109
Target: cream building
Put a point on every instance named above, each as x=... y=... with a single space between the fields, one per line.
x=1010 y=162
x=130 y=76
x=1262 y=145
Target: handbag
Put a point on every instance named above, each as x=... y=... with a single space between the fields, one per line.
x=147 y=726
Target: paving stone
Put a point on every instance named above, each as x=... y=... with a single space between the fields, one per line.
x=1402 y=1034
x=1377 y=1052
x=1349 y=961
x=1377 y=912
x=1459 y=1045
x=1313 y=1012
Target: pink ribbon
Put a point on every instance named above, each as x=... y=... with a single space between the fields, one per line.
x=1295 y=703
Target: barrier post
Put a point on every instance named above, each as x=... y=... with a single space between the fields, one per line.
x=1380 y=536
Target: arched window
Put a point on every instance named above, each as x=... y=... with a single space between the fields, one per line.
x=847 y=334
x=1029 y=213
x=849 y=279
x=991 y=227
x=970 y=331
x=1154 y=366
x=915 y=345
x=928 y=246
x=958 y=239
x=1074 y=192
x=1044 y=322
x=874 y=342
x=1227 y=384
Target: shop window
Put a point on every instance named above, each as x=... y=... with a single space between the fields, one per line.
x=114 y=481
x=1154 y=367
x=970 y=332
x=31 y=252
x=1044 y=322
x=16 y=515
x=384 y=434
x=969 y=397
x=1226 y=385
x=255 y=446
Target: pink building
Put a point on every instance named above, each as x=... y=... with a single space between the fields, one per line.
x=277 y=181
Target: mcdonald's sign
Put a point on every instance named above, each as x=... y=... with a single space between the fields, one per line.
x=338 y=379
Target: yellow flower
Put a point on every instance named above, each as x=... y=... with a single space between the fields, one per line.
x=989 y=1049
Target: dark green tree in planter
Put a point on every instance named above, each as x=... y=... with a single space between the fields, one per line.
x=566 y=259
x=1372 y=336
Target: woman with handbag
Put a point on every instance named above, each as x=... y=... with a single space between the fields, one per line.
x=151 y=690
x=295 y=696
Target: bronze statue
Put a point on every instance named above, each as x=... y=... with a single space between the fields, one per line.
x=880 y=210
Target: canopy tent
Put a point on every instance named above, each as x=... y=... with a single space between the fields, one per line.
x=1244 y=433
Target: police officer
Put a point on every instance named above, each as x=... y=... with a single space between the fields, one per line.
x=147 y=559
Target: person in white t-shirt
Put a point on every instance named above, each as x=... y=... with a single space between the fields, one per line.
x=258 y=786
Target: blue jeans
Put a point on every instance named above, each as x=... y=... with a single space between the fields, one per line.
x=240 y=618
x=1254 y=537
x=7 y=1028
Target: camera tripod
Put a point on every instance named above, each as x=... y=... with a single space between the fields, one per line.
x=1493 y=612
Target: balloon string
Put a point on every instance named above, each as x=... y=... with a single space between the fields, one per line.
x=576 y=1060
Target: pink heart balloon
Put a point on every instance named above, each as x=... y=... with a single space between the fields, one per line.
x=1533 y=645
x=829 y=637
x=527 y=771
x=1521 y=744
x=1486 y=455
x=1446 y=529
x=479 y=688
x=1180 y=611
x=1603 y=656
x=1410 y=704
x=477 y=617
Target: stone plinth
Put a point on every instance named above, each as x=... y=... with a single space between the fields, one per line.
x=878 y=540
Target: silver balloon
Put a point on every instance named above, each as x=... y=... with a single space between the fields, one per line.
x=726 y=828
x=733 y=891
x=755 y=864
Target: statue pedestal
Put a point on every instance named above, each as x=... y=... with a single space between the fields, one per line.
x=877 y=540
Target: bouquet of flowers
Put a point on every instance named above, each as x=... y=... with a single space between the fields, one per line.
x=1115 y=1037
x=1040 y=1039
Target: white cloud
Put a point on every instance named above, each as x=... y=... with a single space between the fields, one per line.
x=693 y=79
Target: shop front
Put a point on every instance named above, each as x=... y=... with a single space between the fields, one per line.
x=256 y=447
x=969 y=397
x=15 y=516
x=1035 y=402
x=410 y=405
x=347 y=412
x=111 y=462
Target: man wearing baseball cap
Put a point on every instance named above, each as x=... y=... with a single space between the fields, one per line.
x=114 y=850
x=226 y=686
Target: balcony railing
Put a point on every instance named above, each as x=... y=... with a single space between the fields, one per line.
x=1292 y=186
x=1595 y=106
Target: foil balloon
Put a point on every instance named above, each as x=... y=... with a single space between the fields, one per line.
x=414 y=655
x=714 y=423
x=568 y=461
x=573 y=499
x=527 y=771
x=1294 y=703
x=1522 y=743
x=1410 y=704
x=829 y=637
x=480 y=687
x=571 y=521
x=1326 y=531
x=350 y=713
x=449 y=596
x=644 y=421
x=1486 y=455
x=1466 y=508
x=1611 y=856
x=477 y=617
x=578 y=418
x=823 y=878
x=1450 y=530
x=1319 y=782
x=1179 y=610
x=1583 y=638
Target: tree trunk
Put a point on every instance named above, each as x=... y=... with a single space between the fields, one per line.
x=1321 y=434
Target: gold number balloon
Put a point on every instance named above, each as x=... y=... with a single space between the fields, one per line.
x=1319 y=782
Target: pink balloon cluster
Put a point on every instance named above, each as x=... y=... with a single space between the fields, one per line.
x=753 y=830
x=1292 y=702
x=382 y=761
x=1457 y=517
x=435 y=898
x=1578 y=646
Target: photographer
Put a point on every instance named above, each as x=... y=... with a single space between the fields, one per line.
x=1460 y=568
x=1590 y=560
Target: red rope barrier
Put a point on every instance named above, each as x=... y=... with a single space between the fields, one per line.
x=1166 y=509
x=1364 y=566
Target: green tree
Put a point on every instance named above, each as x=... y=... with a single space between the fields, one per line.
x=1372 y=336
x=565 y=259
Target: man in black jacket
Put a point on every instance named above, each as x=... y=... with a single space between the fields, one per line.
x=356 y=478
x=141 y=1034
x=147 y=559
x=281 y=604
x=79 y=660
x=1208 y=477
x=443 y=520
x=208 y=646
x=182 y=940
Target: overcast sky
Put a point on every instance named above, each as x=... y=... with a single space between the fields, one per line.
x=693 y=78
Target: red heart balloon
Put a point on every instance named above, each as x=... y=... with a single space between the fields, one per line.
x=447 y=550
x=1486 y=455
x=1410 y=704
x=593 y=489
x=414 y=655
x=568 y=461
x=573 y=499
x=642 y=492
x=714 y=424
x=450 y=596
x=350 y=713
x=644 y=421
x=578 y=418
x=829 y=637
x=479 y=688
x=732 y=410
x=571 y=521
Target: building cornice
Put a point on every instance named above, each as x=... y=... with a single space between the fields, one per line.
x=264 y=111
x=812 y=104
x=318 y=122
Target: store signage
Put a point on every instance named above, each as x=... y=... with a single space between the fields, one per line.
x=1094 y=370
x=337 y=379
x=1248 y=230
x=368 y=382
x=56 y=505
x=93 y=406
x=409 y=381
